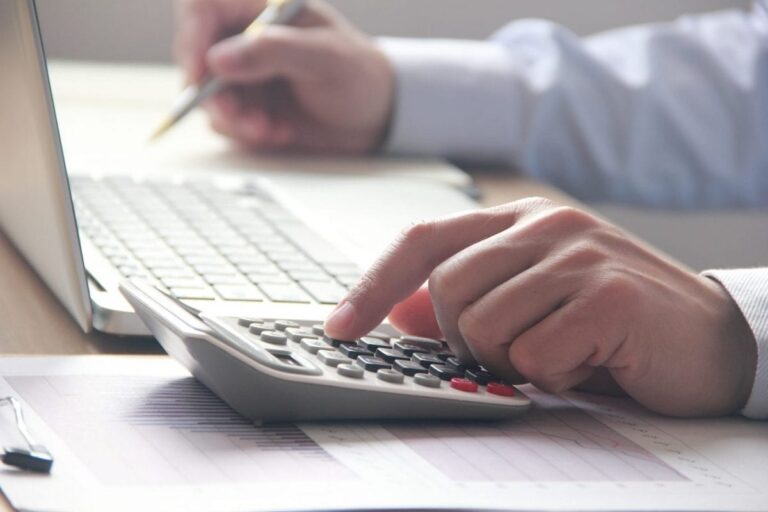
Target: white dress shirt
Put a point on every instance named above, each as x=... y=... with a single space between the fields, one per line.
x=672 y=114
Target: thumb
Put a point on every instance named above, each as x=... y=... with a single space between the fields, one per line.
x=275 y=51
x=416 y=315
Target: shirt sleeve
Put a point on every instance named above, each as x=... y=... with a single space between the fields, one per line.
x=672 y=114
x=749 y=289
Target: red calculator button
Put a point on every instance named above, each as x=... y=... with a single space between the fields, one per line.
x=498 y=388
x=464 y=385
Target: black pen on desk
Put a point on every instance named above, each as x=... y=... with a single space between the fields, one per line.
x=276 y=12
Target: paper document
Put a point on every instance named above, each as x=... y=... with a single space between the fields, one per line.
x=139 y=433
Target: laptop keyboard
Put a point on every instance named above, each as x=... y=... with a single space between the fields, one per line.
x=199 y=242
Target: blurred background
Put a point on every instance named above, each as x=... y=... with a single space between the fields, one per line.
x=142 y=31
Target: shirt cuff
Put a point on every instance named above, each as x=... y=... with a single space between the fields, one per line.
x=749 y=289
x=454 y=99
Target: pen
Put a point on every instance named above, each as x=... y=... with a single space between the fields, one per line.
x=276 y=12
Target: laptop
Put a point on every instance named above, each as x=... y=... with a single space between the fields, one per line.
x=228 y=242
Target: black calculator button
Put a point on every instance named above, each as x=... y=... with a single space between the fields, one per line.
x=336 y=343
x=408 y=349
x=408 y=368
x=372 y=344
x=282 y=325
x=425 y=343
x=332 y=358
x=426 y=360
x=373 y=364
x=350 y=370
x=480 y=376
x=457 y=365
x=313 y=346
x=274 y=337
x=391 y=376
x=379 y=335
x=444 y=372
x=427 y=380
x=260 y=327
x=390 y=355
x=444 y=354
x=354 y=351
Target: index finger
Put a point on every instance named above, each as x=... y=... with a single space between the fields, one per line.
x=197 y=27
x=407 y=264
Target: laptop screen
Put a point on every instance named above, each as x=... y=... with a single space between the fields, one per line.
x=36 y=211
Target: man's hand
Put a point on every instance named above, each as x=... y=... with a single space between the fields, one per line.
x=552 y=295
x=318 y=84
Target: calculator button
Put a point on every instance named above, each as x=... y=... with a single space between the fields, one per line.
x=372 y=364
x=390 y=355
x=371 y=343
x=425 y=343
x=482 y=377
x=274 y=337
x=313 y=346
x=298 y=334
x=391 y=376
x=318 y=330
x=350 y=370
x=408 y=368
x=426 y=380
x=353 y=351
x=408 y=349
x=246 y=322
x=427 y=360
x=444 y=372
x=336 y=343
x=282 y=325
x=332 y=358
x=261 y=327
x=457 y=365
x=444 y=354
x=501 y=389
x=464 y=385
x=379 y=335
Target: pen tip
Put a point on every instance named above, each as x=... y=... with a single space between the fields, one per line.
x=161 y=129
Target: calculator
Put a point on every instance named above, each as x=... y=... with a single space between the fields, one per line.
x=287 y=369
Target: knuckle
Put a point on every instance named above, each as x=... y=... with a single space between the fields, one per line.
x=525 y=361
x=617 y=290
x=475 y=328
x=418 y=234
x=570 y=219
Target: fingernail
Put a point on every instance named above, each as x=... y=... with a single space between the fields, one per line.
x=340 y=318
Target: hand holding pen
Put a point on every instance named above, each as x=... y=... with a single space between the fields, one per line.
x=317 y=84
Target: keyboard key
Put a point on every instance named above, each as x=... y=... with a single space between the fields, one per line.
x=391 y=376
x=325 y=293
x=343 y=269
x=408 y=368
x=239 y=293
x=372 y=364
x=321 y=251
x=391 y=355
x=426 y=380
x=285 y=292
x=465 y=385
x=332 y=358
x=445 y=373
x=350 y=370
x=353 y=351
x=228 y=279
x=427 y=360
x=268 y=278
x=182 y=282
x=311 y=275
x=193 y=293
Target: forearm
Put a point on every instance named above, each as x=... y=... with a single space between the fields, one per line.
x=673 y=114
